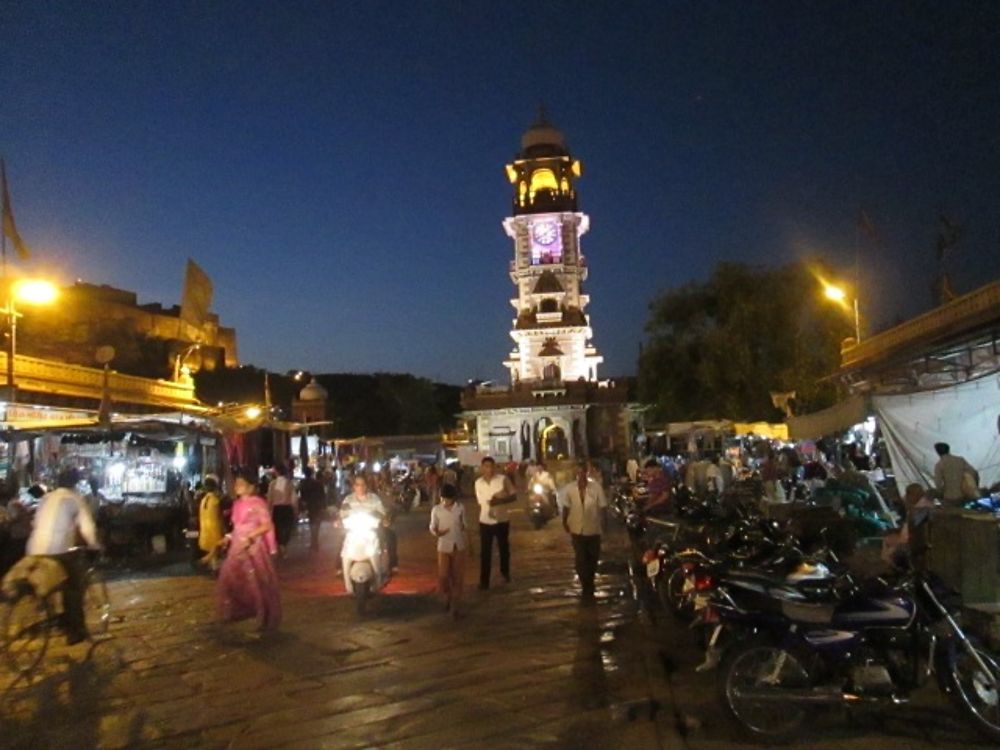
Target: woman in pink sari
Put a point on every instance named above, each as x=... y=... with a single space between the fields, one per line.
x=248 y=584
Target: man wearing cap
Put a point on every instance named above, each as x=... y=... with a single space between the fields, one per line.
x=60 y=515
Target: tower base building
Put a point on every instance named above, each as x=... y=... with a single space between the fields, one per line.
x=555 y=406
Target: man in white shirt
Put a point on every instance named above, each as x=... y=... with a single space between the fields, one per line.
x=714 y=481
x=632 y=469
x=60 y=515
x=949 y=475
x=448 y=525
x=545 y=479
x=584 y=517
x=284 y=506
x=494 y=492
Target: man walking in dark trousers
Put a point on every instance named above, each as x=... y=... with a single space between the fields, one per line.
x=583 y=515
x=494 y=492
x=312 y=496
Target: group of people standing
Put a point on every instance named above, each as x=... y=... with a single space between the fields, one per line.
x=582 y=505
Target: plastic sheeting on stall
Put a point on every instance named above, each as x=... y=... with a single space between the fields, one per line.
x=837 y=418
x=966 y=416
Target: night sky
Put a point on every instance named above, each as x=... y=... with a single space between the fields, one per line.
x=337 y=168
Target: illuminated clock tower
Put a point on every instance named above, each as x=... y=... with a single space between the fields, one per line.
x=555 y=407
x=551 y=332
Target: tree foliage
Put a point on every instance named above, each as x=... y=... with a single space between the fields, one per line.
x=718 y=349
x=359 y=404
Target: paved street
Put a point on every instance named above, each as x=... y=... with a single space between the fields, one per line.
x=527 y=667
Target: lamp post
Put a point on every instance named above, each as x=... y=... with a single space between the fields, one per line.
x=839 y=294
x=31 y=292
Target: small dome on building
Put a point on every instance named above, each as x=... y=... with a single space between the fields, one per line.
x=543 y=133
x=313 y=392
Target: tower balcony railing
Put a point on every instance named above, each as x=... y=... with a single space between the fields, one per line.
x=528 y=393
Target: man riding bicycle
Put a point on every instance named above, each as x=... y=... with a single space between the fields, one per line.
x=62 y=514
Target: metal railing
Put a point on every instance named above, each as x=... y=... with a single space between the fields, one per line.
x=33 y=375
x=959 y=315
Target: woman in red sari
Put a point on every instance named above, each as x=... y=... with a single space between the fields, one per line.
x=248 y=584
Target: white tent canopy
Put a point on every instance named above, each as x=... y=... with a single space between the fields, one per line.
x=837 y=418
x=966 y=416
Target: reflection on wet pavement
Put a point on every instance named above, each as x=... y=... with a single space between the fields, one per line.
x=528 y=666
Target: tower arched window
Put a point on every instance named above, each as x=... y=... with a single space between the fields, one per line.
x=542 y=179
x=548 y=305
x=551 y=371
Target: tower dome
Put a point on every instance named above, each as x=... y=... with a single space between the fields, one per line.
x=543 y=138
x=543 y=172
x=313 y=392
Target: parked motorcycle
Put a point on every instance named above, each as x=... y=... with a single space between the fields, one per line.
x=682 y=576
x=830 y=641
x=405 y=494
x=365 y=562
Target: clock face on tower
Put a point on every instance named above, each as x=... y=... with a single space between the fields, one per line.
x=546 y=242
x=545 y=233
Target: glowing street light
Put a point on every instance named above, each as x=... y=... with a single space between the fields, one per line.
x=35 y=291
x=835 y=293
x=839 y=295
x=29 y=292
x=253 y=412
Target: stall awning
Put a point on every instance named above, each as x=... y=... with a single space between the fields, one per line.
x=725 y=427
x=840 y=416
x=770 y=430
x=683 y=429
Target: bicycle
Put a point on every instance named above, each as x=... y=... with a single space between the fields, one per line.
x=31 y=614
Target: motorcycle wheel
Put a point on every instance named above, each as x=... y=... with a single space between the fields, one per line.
x=538 y=522
x=672 y=596
x=758 y=664
x=971 y=691
x=362 y=592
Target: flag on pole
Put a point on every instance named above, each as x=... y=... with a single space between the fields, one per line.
x=9 y=227
x=868 y=228
x=197 y=297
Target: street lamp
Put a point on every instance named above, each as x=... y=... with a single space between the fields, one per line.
x=29 y=292
x=839 y=295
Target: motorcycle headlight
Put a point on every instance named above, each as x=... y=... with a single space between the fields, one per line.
x=538 y=489
x=360 y=522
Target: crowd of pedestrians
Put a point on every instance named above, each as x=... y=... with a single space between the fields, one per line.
x=241 y=541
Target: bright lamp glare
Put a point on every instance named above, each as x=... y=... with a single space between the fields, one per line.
x=836 y=293
x=253 y=412
x=35 y=291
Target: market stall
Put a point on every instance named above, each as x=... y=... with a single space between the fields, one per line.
x=136 y=474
